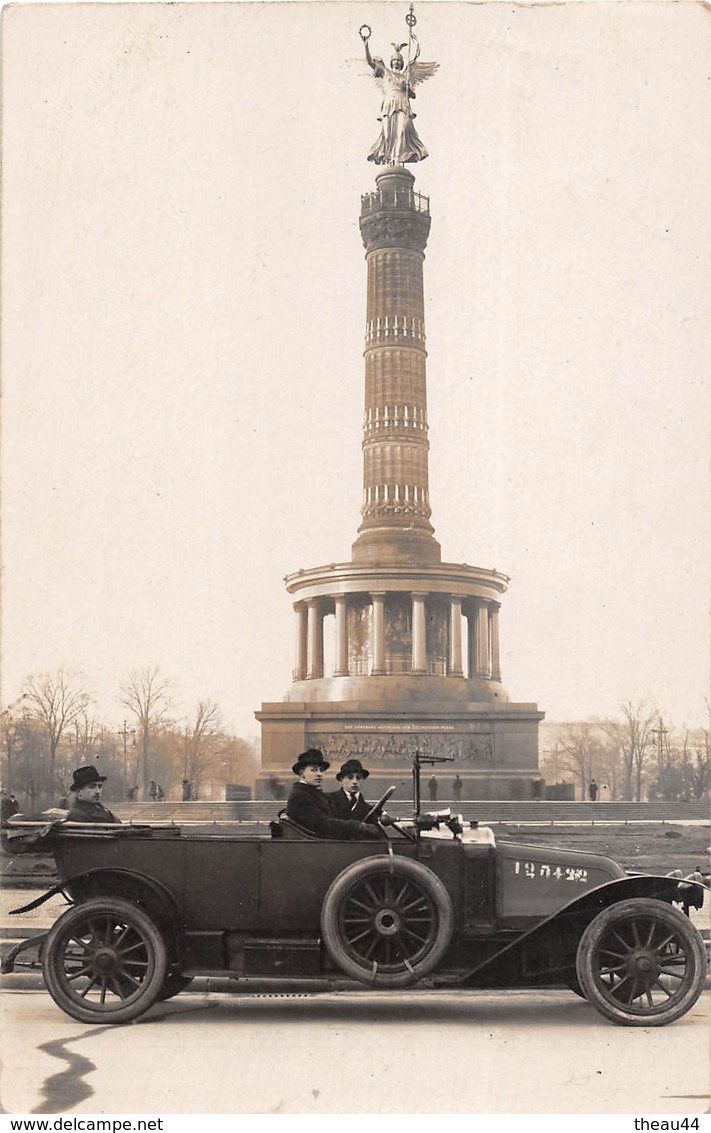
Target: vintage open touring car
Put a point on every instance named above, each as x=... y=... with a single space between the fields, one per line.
x=434 y=905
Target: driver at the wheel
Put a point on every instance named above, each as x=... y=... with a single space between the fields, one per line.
x=348 y=802
x=309 y=806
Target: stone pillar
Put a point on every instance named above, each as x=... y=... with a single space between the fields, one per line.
x=341 y=669
x=301 y=643
x=455 y=637
x=494 y=632
x=378 y=669
x=396 y=527
x=482 y=640
x=315 y=640
x=419 y=634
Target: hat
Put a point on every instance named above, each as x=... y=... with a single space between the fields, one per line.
x=84 y=777
x=352 y=767
x=310 y=758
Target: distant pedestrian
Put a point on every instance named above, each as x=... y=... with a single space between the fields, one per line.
x=160 y=793
x=457 y=789
x=152 y=791
x=592 y=791
x=432 y=784
x=186 y=790
x=8 y=806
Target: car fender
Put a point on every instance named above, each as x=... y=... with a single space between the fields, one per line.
x=550 y=945
x=143 y=891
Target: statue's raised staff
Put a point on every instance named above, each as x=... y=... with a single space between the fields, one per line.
x=398 y=142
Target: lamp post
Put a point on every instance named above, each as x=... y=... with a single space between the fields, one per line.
x=124 y=733
x=660 y=742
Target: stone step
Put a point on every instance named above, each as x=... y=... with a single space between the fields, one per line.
x=486 y=811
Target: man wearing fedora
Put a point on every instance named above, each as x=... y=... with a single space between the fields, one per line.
x=309 y=806
x=347 y=801
x=86 y=805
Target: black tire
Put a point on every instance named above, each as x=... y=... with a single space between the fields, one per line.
x=572 y=982
x=173 y=984
x=104 y=961
x=387 y=921
x=641 y=963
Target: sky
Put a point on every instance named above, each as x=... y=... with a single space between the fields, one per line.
x=184 y=305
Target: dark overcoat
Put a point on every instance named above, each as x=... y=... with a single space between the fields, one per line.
x=83 y=810
x=311 y=809
x=341 y=806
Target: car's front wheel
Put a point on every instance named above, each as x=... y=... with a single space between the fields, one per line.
x=104 y=961
x=641 y=963
x=387 y=921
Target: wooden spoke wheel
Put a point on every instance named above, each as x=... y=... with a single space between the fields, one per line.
x=104 y=960
x=641 y=963
x=387 y=921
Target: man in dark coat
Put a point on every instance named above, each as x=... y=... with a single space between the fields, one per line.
x=309 y=806
x=457 y=789
x=86 y=805
x=8 y=806
x=347 y=801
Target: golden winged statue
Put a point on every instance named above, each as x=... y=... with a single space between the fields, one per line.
x=399 y=141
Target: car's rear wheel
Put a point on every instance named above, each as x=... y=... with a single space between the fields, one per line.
x=387 y=921
x=104 y=961
x=641 y=963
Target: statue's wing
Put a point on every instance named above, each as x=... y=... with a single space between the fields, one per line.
x=421 y=71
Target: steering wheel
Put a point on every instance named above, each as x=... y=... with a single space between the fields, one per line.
x=376 y=807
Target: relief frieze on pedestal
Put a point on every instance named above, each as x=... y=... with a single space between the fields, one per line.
x=477 y=750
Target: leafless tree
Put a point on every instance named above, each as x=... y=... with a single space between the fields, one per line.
x=12 y=721
x=633 y=735
x=146 y=694
x=239 y=759
x=203 y=738
x=56 y=701
x=698 y=765
x=578 y=750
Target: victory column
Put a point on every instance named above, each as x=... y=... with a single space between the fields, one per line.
x=415 y=640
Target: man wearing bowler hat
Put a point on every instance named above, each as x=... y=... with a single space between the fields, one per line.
x=86 y=805
x=347 y=801
x=309 y=806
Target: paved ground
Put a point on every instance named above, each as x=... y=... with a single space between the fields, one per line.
x=409 y=1052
